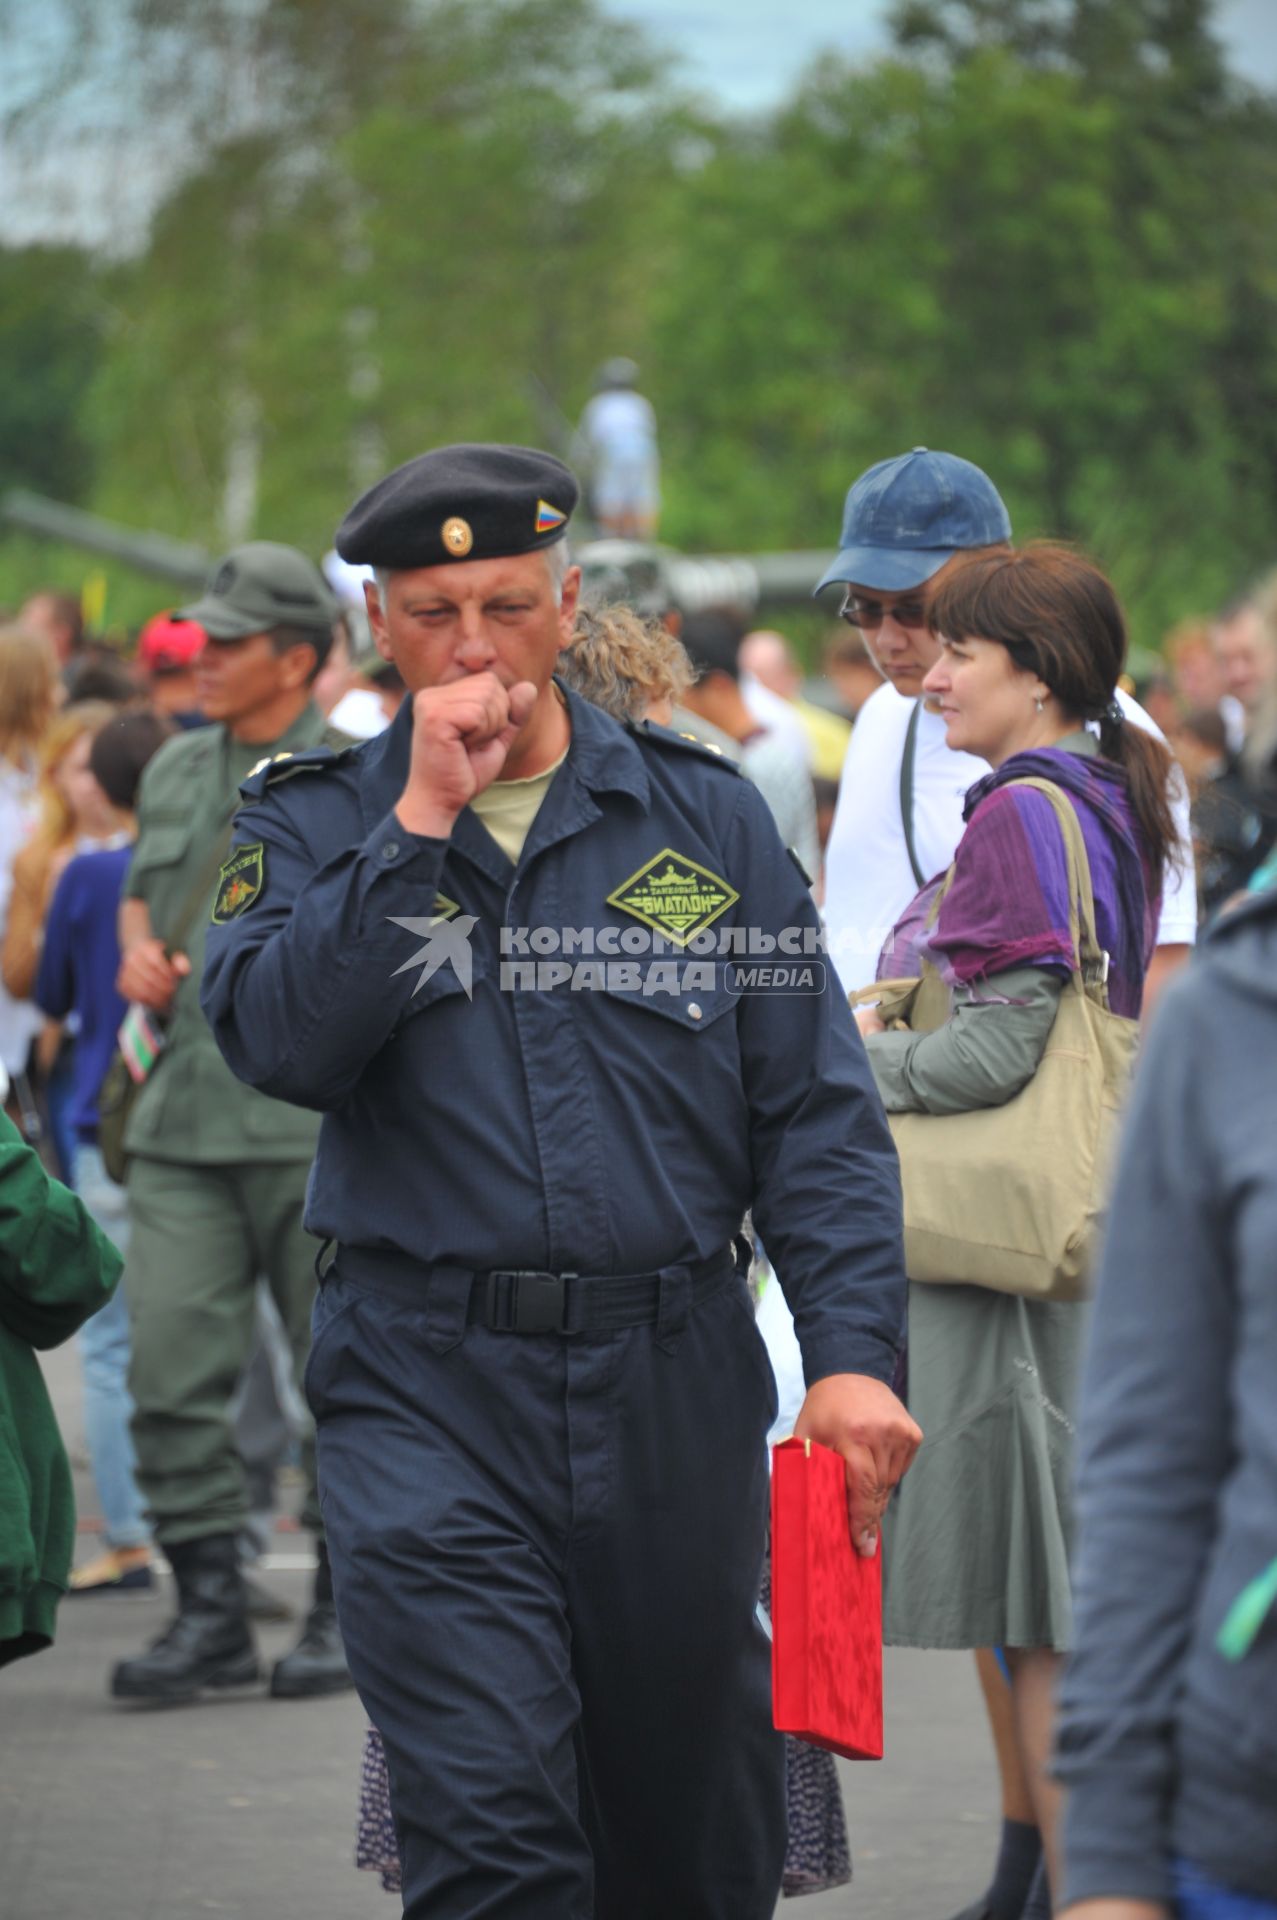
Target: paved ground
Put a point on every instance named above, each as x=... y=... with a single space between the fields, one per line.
x=245 y=1806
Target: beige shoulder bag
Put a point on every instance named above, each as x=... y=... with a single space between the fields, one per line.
x=1014 y=1197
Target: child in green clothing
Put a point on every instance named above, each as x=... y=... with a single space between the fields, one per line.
x=56 y=1268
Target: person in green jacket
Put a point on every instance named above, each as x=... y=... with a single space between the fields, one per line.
x=56 y=1268
x=217 y=1172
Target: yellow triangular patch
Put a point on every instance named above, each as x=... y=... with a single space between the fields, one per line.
x=674 y=895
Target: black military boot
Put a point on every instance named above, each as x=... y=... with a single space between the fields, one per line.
x=317 y=1664
x=208 y=1644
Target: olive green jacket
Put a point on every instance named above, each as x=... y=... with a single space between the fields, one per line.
x=192 y=1109
x=986 y=1051
x=56 y=1268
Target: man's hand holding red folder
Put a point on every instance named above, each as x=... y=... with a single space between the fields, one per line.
x=861 y=1418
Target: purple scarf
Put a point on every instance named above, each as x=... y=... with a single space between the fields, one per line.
x=1008 y=905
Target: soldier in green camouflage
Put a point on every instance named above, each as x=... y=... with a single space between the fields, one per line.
x=217 y=1172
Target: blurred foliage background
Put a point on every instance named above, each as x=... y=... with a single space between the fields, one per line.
x=1042 y=233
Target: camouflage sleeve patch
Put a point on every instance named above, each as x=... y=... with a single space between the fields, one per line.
x=239 y=883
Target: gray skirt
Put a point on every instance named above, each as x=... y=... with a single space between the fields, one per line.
x=976 y=1541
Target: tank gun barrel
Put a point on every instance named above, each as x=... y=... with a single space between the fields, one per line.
x=155 y=553
x=705 y=580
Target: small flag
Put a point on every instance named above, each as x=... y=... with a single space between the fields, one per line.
x=141 y=1041
x=93 y=601
x=548 y=517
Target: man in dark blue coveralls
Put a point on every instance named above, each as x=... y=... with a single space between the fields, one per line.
x=505 y=947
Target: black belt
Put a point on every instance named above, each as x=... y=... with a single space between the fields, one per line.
x=525 y=1300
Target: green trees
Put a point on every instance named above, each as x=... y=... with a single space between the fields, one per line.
x=1034 y=236
x=1040 y=232
x=445 y=225
x=51 y=344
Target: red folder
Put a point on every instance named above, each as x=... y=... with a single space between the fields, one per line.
x=826 y=1609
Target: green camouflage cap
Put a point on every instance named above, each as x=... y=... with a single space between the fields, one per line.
x=259 y=587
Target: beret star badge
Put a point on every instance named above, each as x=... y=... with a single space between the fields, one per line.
x=457 y=536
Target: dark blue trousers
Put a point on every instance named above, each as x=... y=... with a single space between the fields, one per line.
x=546 y=1553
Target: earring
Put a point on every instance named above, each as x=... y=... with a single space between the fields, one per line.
x=1040 y=704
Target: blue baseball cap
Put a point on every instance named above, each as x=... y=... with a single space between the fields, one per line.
x=905 y=517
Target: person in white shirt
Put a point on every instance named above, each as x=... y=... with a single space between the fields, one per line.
x=28 y=699
x=906 y=522
x=712 y=637
x=616 y=443
x=896 y=827
x=774 y=714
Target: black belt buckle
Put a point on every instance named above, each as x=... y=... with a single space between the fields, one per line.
x=526 y=1301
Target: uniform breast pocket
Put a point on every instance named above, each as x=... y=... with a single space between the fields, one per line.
x=164 y=844
x=691 y=995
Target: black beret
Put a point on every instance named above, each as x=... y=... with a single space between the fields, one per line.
x=460 y=503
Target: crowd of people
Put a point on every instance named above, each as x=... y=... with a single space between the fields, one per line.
x=591 y=1230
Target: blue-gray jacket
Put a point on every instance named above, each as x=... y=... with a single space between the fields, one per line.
x=616 y=1114
x=1167 y=1746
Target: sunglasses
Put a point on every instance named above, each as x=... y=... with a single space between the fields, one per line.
x=869 y=614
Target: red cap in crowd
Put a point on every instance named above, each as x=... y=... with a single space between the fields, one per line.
x=169 y=643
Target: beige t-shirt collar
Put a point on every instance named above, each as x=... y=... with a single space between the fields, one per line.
x=508 y=808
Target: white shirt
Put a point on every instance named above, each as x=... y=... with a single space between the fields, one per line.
x=773 y=711
x=619 y=425
x=775 y=1323
x=359 y=713
x=868 y=879
x=20 y=1020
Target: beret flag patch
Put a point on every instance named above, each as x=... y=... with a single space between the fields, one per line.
x=548 y=517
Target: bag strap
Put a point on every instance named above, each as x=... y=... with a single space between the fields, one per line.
x=907 y=760
x=1087 y=950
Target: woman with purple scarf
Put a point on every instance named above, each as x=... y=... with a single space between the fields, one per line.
x=976 y=1544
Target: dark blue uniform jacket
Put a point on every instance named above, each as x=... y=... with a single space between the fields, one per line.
x=570 y=1127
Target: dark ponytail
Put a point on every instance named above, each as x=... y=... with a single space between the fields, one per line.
x=1149 y=768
